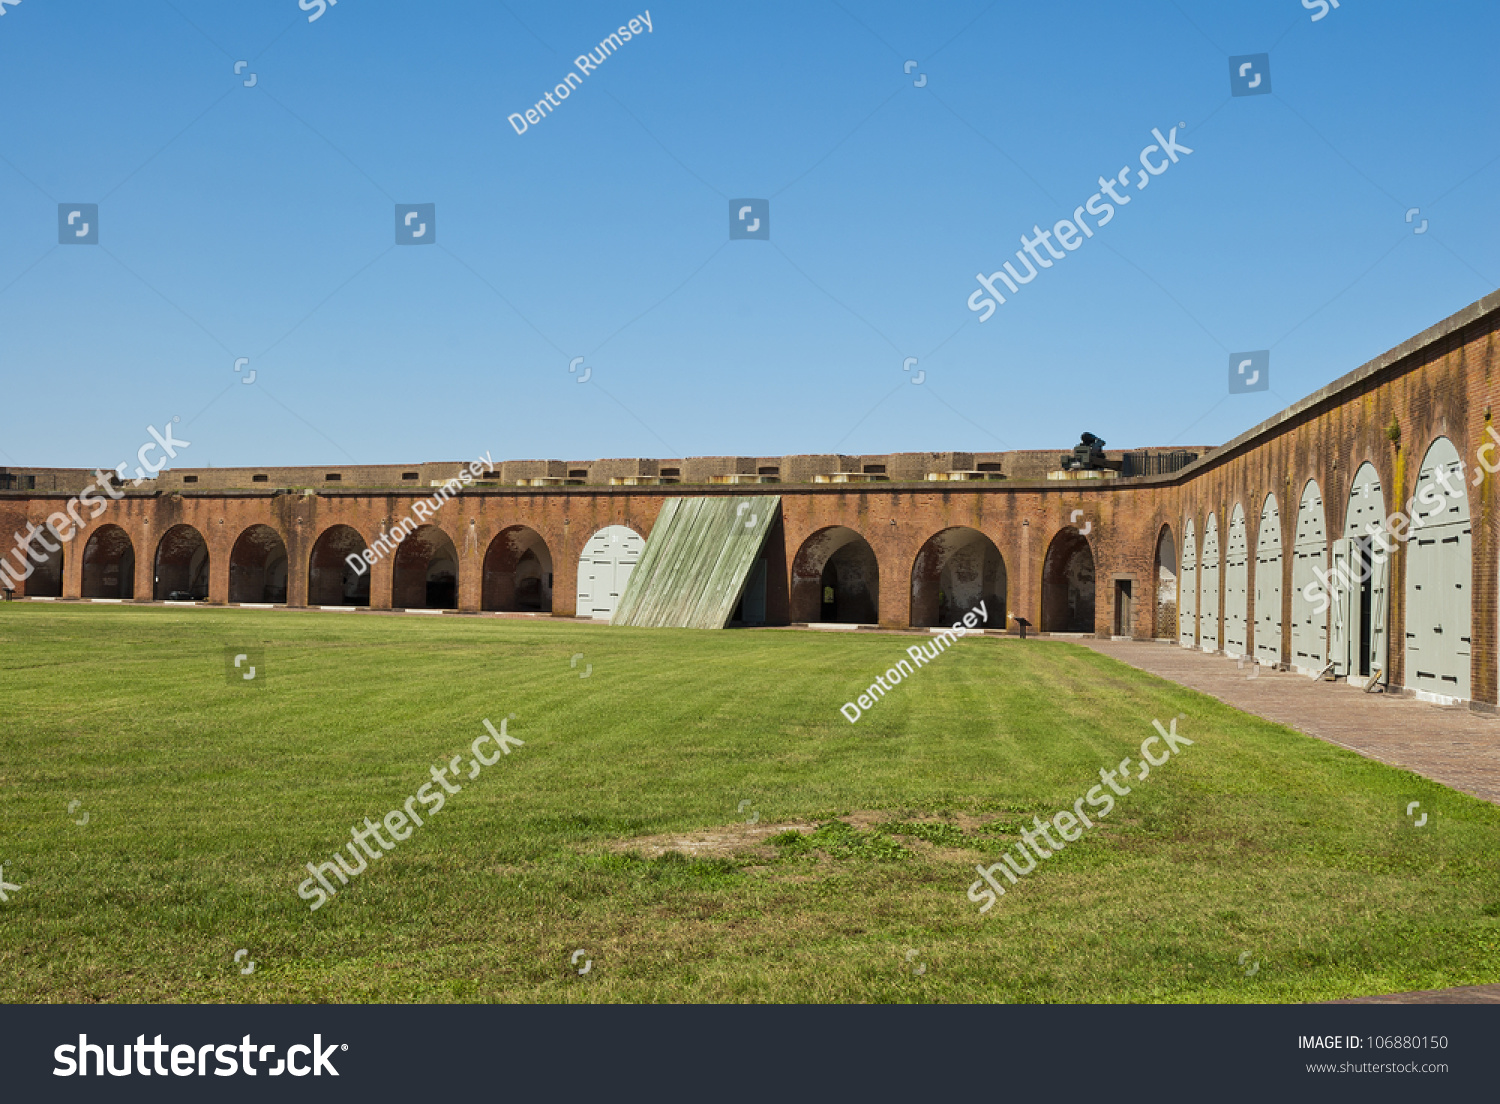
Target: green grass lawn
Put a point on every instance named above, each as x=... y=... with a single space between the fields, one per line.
x=205 y=800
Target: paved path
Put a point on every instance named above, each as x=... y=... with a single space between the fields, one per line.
x=1449 y=744
x=1464 y=994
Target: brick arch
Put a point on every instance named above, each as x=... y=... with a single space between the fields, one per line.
x=1164 y=582
x=331 y=579
x=842 y=560
x=181 y=564
x=956 y=569
x=258 y=565
x=109 y=564
x=424 y=568
x=40 y=574
x=518 y=571
x=1069 y=587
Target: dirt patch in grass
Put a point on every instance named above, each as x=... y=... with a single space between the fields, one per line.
x=940 y=837
x=725 y=841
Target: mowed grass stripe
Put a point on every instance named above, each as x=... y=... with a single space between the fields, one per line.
x=206 y=799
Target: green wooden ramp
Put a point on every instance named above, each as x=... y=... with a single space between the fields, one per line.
x=696 y=562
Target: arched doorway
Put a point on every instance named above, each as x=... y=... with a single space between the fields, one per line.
x=257 y=566
x=1309 y=598
x=955 y=571
x=1068 y=584
x=425 y=571
x=1187 y=590
x=604 y=570
x=1439 y=580
x=1208 y=601
x=1360 y=574
x=181 y=565
x=517 y=572
x=109 y=564
x=836 y=578
x=1268 y=584
x=43 y=568
x=331 y=581
x=1166 y=585
x=1237 y=586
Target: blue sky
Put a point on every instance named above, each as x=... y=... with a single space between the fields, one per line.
x=259 y=222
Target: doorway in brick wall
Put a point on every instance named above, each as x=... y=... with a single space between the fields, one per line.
x=1124 y=611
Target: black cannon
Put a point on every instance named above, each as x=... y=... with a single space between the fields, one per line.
x=1087 y=455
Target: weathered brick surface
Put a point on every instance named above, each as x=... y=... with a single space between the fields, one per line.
x=700 y=469
x=352 y=475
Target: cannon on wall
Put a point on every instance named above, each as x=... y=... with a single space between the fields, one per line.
x=1088 y=455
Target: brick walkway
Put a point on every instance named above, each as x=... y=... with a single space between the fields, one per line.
x=1449 y=744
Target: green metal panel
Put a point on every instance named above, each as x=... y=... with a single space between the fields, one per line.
x=697 y=561
x=1187 y=590
x=1208 y=602
x=1237 y=585
x=1439 y=566
x=1366 y=514
x=1268 y=584
x=1345 y=599
x=1309 y=554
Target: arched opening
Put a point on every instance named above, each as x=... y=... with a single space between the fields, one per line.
x=109 y=564
x=518 y=572
x=1068 y=584
x=1208 y=599
x=1166 y=585
x=1268 y=585
x=47 y=580
x=181 y=566
x=1309 y=600
x=1187 y=591
x=836 y=578
x=425 y=570
x=38 y=564
x=257 y=566
x=1237 y=586
x=1360 y=580
x=331 y=580
x=956 y=571
x=1439 y=580
x=604 y=570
